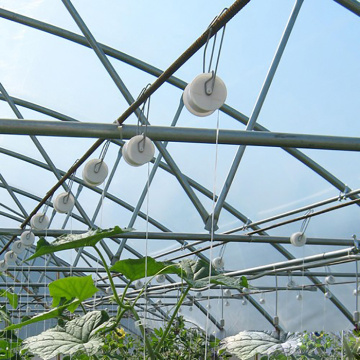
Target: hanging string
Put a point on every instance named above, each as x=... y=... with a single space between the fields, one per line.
x=146 y=251
x=302 y=290
x=276 y=294
x=357 y=286
x=212 y=227
x=45 y=287
x=141 y=149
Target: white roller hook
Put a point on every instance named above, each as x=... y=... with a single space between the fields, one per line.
x=95 y=172
x=204 y=94
x=39 y=221
x=330 y=280
x=138 y=151
x=138 y=284
x=18 y=247
x=3 y=266
x=218 y=263
x=160 y=278
x=10 y=257
x=27 y=238
x=298 y=239
x=64 y=203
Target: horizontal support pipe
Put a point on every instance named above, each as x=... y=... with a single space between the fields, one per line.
x=178 y=134
x=301 y=261
x=85 y=270
x=191 y=237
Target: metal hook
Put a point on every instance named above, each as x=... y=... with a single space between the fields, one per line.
x=209 y=89
x=245 y=226
x=103 y=152
x=343 y=194
x=356 y=242
x=306 y=221
x=141 y=112
x=142 y=143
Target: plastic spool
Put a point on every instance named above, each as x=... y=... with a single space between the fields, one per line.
x=218 y=263
x=158 y=302
x=27 y=238
x=138 y=284
x=64 y=203
x=356 y=316
x=160 y=278
x=291 y=284
x=330 y=280
x=262 y=301
x=108 y=290
x=328 y=295
x=95 y=172
x=10 y=257
x=198 y=102
x=3 y=265
x=299 y=297
x=227 y=292
x=18 y=247
x=39 y=221
x=298 y=239
x=198 y=294
x=132 y=150
x=244 y=302
x=190 y=308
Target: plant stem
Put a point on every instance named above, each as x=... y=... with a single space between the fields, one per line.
x=182 y=298
x=83 y=308
x=109 y=276
x=125 y=291
x=147 y=343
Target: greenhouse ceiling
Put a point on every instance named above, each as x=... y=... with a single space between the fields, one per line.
x=253 y=168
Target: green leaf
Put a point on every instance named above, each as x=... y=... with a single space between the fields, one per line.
x=44 y=316
x=134 y=269
x=196 y=274
x=74 y=241
x=69 y=288
x=13 y=298
x=248 y=344
x=80 y=335
x=4 y=315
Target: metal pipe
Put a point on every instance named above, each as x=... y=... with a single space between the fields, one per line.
x=179 y=134
x=352 y=5
x=259 y=239
x=280 y=265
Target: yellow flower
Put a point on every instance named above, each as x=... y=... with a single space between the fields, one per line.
x=120 y=332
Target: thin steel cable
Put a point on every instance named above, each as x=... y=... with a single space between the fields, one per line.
x=212 y=227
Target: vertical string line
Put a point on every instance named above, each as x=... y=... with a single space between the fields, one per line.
x=28 y=289
x=212 y=228
x=146 y=251
x=302 y=291
x=357 y=287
